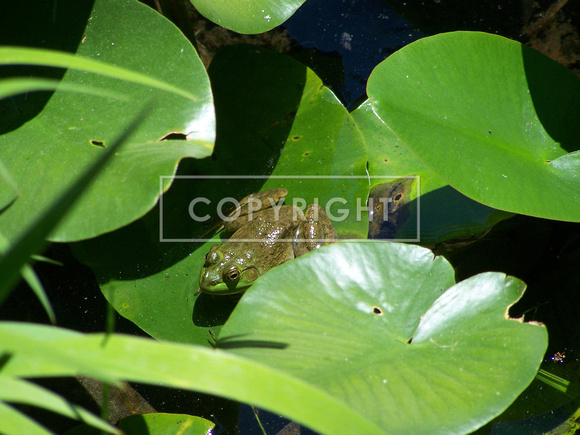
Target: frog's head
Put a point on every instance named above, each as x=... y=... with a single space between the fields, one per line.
x=225 y=273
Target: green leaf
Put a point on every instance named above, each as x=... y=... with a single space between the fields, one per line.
x=248 y=16
x=154 y=424
x=16 y=423
x=162 y=423
x=447 y=214
x=383 y=327
x=276 y=111
x=15 y=255
x=174 y=365
x=57 y=59
x=284 y=118
x=20 y=391
x=12 y=87
x=493 y=118
x=8 y=189
x=32 y=280
x=119 y=54
x=34 y=283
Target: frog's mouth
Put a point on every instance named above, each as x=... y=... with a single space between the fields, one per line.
x=231 y=282
x=221 y=291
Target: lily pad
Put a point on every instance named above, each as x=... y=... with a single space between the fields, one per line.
x=384 y=328
x=154 y=423
x=160 y=423
x=496 y=120
x=271 y=110
x=444 y=212
x=282 y=121
x=247 y=16
x=8 y=190
x=119 y=54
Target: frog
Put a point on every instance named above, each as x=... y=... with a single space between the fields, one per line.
x=261 y=240
x=392 y=197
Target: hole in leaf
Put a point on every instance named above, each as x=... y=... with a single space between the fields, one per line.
x=295 y=137
x=98 y=143
x=397 y=197
x=386 y=160
x=306 y=154
x=377 y=311
x=175 y=136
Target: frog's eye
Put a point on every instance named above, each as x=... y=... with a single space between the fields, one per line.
x=233 y=276
x=211 y=258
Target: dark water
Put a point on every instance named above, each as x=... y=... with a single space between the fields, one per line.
x=362 y=32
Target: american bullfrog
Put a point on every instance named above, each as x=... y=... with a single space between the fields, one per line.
x=269 y=237
x=396 y=196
